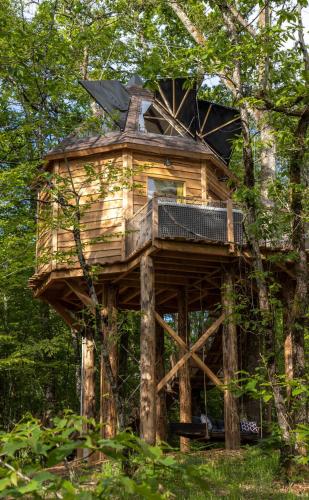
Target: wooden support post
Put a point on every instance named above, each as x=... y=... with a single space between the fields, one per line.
x=287 y=298
x=148 y=352
x=204 y=180
x=230 y=365
x=108 y=413
x=230 y=225
x=55 y=211
x=103 y=384
x=185 y=412
x=88 y=379
x=155 y=218
x=111 y=422
x=161 y=416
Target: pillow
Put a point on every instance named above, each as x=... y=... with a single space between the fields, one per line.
x=206 y=420
x=246 y=426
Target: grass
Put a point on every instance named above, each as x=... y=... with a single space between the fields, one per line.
x=250 y=473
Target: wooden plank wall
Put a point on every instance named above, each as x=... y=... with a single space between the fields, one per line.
x=146 y=165
x=199 y=176
x=105 y=216
x=102 y=218
x=44 y=233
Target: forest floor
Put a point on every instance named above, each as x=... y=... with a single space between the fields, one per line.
x=250 y=473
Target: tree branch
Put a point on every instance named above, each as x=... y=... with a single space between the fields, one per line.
x=301 y=38
x=224 y=5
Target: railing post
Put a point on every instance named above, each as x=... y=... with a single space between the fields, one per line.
x=230 y=225
x=124 y=239
x=155 y=218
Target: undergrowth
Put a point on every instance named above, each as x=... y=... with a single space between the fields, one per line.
x=38 y=462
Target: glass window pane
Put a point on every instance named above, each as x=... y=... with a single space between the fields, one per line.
x=164 y=187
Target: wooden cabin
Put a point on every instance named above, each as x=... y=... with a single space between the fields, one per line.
x=158 y=223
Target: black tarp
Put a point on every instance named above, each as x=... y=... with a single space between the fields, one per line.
x=225 y=124
x=112 y=96
x=217 y=125
x=187 y=113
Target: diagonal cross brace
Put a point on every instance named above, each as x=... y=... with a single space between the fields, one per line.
x=190 y=352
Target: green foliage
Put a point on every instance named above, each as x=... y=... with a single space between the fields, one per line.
x=134 y=468
x=130 y=469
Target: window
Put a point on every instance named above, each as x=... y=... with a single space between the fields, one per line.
x=164 y=187
x=152 y=121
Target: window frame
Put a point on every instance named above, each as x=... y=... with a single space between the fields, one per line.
x=167 y=179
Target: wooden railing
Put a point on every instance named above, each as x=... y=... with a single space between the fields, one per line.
x=184 y=218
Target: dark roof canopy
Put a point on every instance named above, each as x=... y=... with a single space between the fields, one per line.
x=181 y=112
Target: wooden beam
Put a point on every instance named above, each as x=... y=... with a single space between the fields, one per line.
x=127 y=200
x=230 y=225
x=69 y=318
x=230 y=364
x=148 y=352
x=182 y=344
x=204 y=180
x=83 y=297
x=185 y=403
x=55 y=211
x=215 y=251
x=131 y=296
x=205 y=119
x=155 y=218
x=220 y=127
x=196 y=347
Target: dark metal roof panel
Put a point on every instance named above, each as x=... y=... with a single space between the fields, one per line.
x=112 y=96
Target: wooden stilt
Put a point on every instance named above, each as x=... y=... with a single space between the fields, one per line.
x=103 y=384
x=108 y=413
x=185 y=412
x=88 y=379
x=161 y=416
x=230 y=365
x=111 y=422
x=287 y=298
x=148 y=352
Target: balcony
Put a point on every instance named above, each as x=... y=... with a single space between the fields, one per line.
x=187 y=219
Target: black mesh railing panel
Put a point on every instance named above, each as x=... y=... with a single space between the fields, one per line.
x=238 y=221
x=179 y=218
x=197 y=221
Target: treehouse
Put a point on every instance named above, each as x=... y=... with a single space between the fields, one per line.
x=156 y=221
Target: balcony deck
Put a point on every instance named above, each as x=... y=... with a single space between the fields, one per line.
x=187 y=219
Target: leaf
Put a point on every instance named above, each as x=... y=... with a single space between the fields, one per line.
x=14 y=478
x=10 y=447
x=4 y=483
x=44 y=476
x=58 y=454
x=33 y=485
x=298 y=391
x=68 y=487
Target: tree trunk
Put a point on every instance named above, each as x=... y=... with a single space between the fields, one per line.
x=185 y=404
x=148 y=352
x=268 y=155
x=230 y=364
x=299 y=310
x=161 y=433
